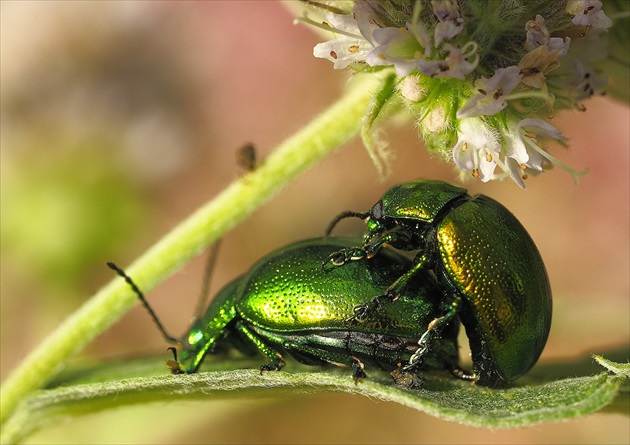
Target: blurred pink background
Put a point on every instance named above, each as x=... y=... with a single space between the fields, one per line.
x=119 y=119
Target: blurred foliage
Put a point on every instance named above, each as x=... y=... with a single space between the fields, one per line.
x=618 y=64
x=89 y=125
x=62 y=213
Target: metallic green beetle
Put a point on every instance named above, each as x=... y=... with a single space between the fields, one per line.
x=484 y=261
x=287 y=303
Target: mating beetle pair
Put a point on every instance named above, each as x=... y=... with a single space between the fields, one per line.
x=486 y=264
x=288 y=303
x=333 y=301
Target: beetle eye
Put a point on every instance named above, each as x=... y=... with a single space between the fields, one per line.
x=377 y=210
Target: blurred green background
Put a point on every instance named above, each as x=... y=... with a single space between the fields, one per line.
x=120 y=118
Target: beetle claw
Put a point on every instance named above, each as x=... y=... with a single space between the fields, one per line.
x=337 y=259
x=173 y=365
x=462 y=374
x=358 y=371
x=362 y=313
x=344 y=256
x=407 y=379
x=365 y=311
x=271 y=367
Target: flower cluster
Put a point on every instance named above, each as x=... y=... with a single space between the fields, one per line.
x=483 y=78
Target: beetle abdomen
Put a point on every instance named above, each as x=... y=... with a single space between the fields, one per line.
x=496 y=268
x=289 y=291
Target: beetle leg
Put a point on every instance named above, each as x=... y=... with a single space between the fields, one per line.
x=393 y=239
x=344 y=256
x=363 y=312
x=338 y=359
x=462 y=374
x=173 y=365
x=420 y=262
x=358 y=373
x=368 y=250
x=433 y=331
x=272 y=366
x=407 y=379
x=396 y=237
x=277 y=362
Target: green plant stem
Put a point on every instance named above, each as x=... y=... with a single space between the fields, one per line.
x=322 y=136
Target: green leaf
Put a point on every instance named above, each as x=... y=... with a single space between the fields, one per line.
x=621 y=369
x=96 y=388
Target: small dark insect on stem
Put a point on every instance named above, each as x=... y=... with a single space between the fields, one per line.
x=140 y=295
x=246 y=158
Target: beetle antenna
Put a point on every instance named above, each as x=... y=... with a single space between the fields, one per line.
x=344 y=215
x=203 y=298
x=140 y=295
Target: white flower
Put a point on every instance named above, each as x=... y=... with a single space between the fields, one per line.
x=401 y=47
x=524 y=155
x=477 y=148
x=543 y=55
x=457 y=61
x=355 y=41
x=537 y=71
x=587 y=84
x=342 y=52
x=492 y=92
x=588 y=13
x=456 y=64
x=536 y=33
x=536 y=64
x=450 y=24
x=445 y=10
x=518 y=156
x=560 y=45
